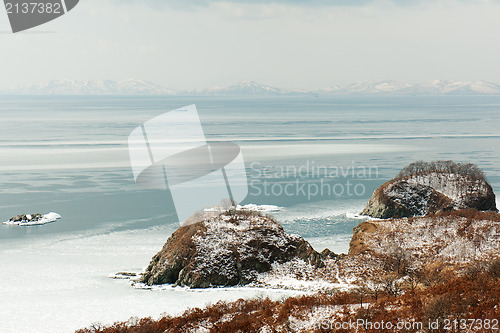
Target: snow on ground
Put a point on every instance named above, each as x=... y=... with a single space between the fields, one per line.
x=449 y=239
x=320 y=317
x=299 y=275
x=451 y=185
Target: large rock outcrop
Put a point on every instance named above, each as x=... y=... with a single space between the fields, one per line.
x=430 y=188
x=226 y=249
x=426 y=248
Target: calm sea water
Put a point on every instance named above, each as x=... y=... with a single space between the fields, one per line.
x=69 y=154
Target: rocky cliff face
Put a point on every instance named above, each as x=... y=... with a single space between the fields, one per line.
x=430 y=192
x=418 y=248
x=453 y=237
x=226 y=249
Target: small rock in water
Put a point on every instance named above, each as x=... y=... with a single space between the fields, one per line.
x=123 y=275
x=33 y=219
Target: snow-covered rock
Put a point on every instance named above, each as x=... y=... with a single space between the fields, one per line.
x=33 y=219
x=445 y=186
x=226 y=249
x=450 y=237
x=450 y=243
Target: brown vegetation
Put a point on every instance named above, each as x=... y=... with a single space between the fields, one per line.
x=475 y=296
x=470 y=215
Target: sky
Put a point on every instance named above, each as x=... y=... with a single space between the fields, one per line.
x=305 y=44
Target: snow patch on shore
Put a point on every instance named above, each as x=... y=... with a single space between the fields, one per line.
x=299 y=275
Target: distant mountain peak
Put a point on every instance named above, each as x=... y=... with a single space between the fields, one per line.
x=240 y=88
x=91 y=87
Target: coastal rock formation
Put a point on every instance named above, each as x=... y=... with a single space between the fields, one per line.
x=416 y=270
x=450 y=237
x=423 y=188
x=226 y=249
x=436 y=246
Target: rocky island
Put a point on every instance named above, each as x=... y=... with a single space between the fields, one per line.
x=429 y=187
x=226 y=249
x=33 y=219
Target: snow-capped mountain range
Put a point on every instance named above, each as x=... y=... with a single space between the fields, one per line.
x=435 y=87
x=244 y=88
x=93 y=87
x=250 y=88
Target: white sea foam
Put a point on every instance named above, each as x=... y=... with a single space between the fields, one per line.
x=360 y=217
x=252 y=207
x=322 y=210
x=337 y=243
x=261 y=208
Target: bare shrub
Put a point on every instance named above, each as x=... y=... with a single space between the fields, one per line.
x=392 y=285
x=455 y=298
x=423 y=167
x=494 y=269
x=438 y=308
x=396 y=259
x=473 y=270
x=470 y=214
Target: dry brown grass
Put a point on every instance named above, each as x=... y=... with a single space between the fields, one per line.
x=473 y=297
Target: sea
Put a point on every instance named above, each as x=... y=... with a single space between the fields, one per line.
x=312 y=162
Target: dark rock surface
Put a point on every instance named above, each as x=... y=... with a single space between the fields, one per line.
x=26 y=217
